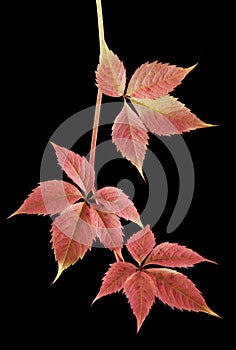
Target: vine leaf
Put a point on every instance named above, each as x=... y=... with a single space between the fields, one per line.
x=117 y=202
x=76 y=167
x=176 y=290
x=130 y=137
x=154 y=80
x=115 y=277
x=49 y=198
x=79 y=219
x=142 y=284
x=140 y=290
x=166 y=116
x=72 y=235
x=108 y=227
x=141 y=244
x=174 y=255
x=148 y=90
x=111 y=74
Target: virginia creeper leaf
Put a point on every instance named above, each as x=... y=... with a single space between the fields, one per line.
x=111 y=74
x=72 y=235
x=67 y=251
x=167 y=116
x=107 y=226
x=140 y=290
x=174 y=255
x=176 y=290
x=117 y=202
x=115 y=277
x=76 y=167
x=49 y=198
x=130 y=136
x=141 y=284
x=153 y=80
x=141 y=244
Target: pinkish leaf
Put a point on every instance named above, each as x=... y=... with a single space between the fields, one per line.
x=49 y=198
x=167 y=116
x=76 y=167
x=67 y=251
x=115 y=201
x=141 y=243
x=176 y=290
x=115 y=277
x=174 y=255
x=153 y=80
x=72 y=235
x=107 y=226
x=130 y=136
x=111 y=74
x=140 y=290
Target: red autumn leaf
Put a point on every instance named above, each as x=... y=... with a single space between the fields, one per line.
x=166 y=116
x=140 y=290
x=153 y=80
x=111 y=74
x=72 y=235
x=130 y=136
x=117 y=202
x=49 y=198
x=76 y=167
x=67 y=251
x=141 y=244
x=107 y=226
x=176 y=290
x=174 y=255
x=141 y=284
x=115 y=277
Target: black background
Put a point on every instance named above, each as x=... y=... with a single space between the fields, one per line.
x=50 y=56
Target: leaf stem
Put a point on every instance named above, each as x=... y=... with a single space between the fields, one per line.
x=99 y=94
x=102 y=45
x=95 y=128
x=100 y=25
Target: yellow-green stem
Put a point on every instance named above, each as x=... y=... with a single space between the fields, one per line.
x=100 y=25
x=95 y=128
x=102 y=44
x=99 y=94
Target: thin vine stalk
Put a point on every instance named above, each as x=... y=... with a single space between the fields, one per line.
x=102 y=45
x=99 y=94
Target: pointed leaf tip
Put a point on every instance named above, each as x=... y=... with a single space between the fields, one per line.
x=211 y=312
x=59 y=272
x=139 y=222
x=140 y=170
x=10 y=216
